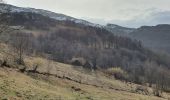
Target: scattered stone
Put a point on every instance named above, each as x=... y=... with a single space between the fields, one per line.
x=142 y=90
x=4 y=99
x=18 y=94
x=76 y=89
x=89 y=98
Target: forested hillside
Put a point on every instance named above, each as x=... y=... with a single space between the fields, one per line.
x=153 y=37
x=94 y=48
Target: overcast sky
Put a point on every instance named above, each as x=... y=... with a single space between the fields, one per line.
x=130 y=13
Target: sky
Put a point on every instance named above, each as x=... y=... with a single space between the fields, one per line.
x=129 y=13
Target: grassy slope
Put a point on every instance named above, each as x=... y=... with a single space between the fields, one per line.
x=66 y=86
x=20 y=86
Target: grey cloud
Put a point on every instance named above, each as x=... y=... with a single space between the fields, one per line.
x=153 y=18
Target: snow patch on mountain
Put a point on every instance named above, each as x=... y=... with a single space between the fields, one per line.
x=119 y=30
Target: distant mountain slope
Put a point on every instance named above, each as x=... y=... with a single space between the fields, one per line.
x=155 y=37
x=119 y=30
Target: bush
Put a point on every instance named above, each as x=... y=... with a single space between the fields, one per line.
x=34 y=63
x=7 y=60
x=38 y=62
x=118 y=73
x=157 y=92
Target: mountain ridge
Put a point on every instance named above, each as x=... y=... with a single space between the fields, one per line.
x=53 y=15
x=119 y=30
x=153 y=37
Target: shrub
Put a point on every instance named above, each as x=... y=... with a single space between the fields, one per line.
x=157 y=92
x=118 y=73
x=38 y=62
x=34 y=63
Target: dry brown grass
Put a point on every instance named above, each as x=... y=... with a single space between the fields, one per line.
x=19 y=86
x=81 y=85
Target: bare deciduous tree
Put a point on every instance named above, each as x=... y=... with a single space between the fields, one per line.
x=20 y=41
